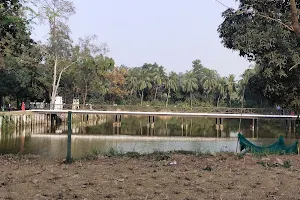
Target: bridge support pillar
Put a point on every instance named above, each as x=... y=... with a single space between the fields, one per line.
x=221 y=124
x=217 y=124
x=150 y=125
x=117 y=124
x=252 y=126
x=182 y=126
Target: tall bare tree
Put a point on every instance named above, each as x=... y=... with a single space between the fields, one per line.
x=56 y=13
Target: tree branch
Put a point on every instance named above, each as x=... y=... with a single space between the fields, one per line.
x=60 y=74
x=291 y=28
x=276 y=20
x=294 y=66
x=294 y=17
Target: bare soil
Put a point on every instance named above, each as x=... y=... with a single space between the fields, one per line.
x=221 y=176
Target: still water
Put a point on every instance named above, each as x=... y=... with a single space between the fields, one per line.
x=136 y=134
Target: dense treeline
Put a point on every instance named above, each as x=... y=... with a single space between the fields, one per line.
x=31 y=70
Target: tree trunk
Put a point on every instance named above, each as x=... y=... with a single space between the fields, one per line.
x=155 y=93
x=218 y=101
x=168 y=97
x=85 y=94
x=53 y=95
x=191 y=100
x=2 y=103
x=56 y=82
x=142 y=98
x=294 y=16
x=242 y=109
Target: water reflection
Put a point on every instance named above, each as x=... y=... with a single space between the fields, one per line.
x=142 y=134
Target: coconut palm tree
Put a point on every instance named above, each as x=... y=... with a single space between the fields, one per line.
x=144 y=81
x=230 y=86
x=171 y=84
x=243 y=83
x=189 y=84
x=159 y=76
x=209 y=80
x=221 y=88
x=132 y=80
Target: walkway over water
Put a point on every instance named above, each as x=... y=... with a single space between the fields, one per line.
x=174 y=114
x=147 y=108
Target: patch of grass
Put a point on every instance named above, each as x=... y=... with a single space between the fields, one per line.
x=159 y=156
x=208 y=168
x=185 y=152
x=286 y=164
x=261 y=154
x=240 y=156
x=113 y=152
x=133 y=154
x=196 y=153
x=262 y=163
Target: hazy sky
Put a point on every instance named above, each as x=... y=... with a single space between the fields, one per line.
x=172 y=33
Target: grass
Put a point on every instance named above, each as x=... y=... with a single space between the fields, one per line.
x=157 y=155
x=286 y=164
x=114 y=152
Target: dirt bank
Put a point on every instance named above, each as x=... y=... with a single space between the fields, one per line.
x=221 y=176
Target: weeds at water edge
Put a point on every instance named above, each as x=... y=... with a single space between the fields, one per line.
x=157 y=155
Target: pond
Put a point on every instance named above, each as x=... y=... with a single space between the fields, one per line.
x=136 y=134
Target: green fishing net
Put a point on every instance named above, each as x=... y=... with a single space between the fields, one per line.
x=276 y=148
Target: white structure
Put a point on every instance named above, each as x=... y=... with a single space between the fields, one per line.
x=58 y=105
x=75 y=105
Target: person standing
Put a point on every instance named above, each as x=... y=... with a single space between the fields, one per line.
x=23 y=106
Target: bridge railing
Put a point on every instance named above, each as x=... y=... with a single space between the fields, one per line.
x=268 y=111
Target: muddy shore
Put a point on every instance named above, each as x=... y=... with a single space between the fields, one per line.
x=191 y=177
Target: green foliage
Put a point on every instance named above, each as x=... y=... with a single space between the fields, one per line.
x=34 y=71
x=14 y=31
x=257 y=32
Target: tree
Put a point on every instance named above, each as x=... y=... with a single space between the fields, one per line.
x=221 y=88
x=159 y=76
x=144 y=82
x=230 y=86
x=171 y=84
x=92 y=66
x=132 y=80
x=189 y=84
x=198 y=69
x=244 y=82
x=117 y=80
x=209 y=80
x=295 y=17
x=269 y=41
x=56 y=13
x=14 y=30
x=19 y=54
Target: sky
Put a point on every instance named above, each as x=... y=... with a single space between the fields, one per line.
x=171 y=33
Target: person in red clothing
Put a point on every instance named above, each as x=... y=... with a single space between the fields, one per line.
x=23 y=106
